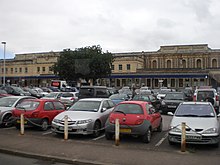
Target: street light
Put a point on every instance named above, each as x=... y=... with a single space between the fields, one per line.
x=4 y=43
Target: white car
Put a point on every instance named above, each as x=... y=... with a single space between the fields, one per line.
x=86 y=116
x=202 y=125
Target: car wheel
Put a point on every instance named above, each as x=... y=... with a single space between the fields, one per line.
x=171 y=143
x=108 y=136
x=6 y=121
x=96 y=129
x=147 y=136
x=160 y=127
x=44 y=125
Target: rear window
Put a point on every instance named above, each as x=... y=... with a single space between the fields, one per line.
x=87 y=92
x=28 y=105
x=202 y=95
x=67 y=95
x=129 y=109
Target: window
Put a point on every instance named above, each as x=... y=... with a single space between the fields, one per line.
x=173 y=83
x=154 y=64
x=113 y=67
x=11 y=70
x=20 y=70
x=119 y=67
x=26 y=70
x=50 y=68
x=105 y=105
x=16 y=70
x=38 y=69
x=168 y=63
x=184 y=63
x=6 y=70
x=48 y=106
x=43 y=69
x=128 y=66
x=59 y=106
x=198 y=63
x=214 y=63
x=180 y=82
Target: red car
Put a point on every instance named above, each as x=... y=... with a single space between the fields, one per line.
x=135 y=118
x=37 y=112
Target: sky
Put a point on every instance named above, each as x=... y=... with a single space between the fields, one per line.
x=31 y=26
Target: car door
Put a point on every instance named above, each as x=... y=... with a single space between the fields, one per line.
x=106 y=109
x=154 y=116
x=49 y=110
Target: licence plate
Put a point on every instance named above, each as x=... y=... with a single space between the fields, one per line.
x=125 y=130
x=19 y=121
x=190 y=137
x=62 y=129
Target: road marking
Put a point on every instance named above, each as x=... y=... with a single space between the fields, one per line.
x=46 y=133
x=9 y=128
x=100 y=137
x=161 y=140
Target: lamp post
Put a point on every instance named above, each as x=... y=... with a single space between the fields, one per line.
x=4 y=43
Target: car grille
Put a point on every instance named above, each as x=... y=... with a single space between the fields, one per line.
x=69 y=122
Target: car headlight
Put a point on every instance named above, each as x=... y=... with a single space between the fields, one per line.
x=210 y=131
x=163 y=103
x=175 y=129
x=84 y=121
x=56 y=120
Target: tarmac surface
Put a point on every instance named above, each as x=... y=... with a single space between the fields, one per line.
x=88 y=153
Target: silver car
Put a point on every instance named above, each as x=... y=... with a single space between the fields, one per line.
x=202 y=125
x=7 y=104
x=86 y=116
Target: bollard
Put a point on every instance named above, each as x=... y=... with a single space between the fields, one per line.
x=66 y=127
x=22 y=124
x=117 y=132
x=183 y=138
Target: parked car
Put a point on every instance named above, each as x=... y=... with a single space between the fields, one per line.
x=69 y=98
x=171 y=101
x=37 y=112
x=33 y=92
x=86 y=116
x=53 y=95
x=93 y=92
x=7 y=104
x=162 y=93
x=3 y=93
x=149 y=98
x=16 y=91
x=202 y=126
x=208 y=94
x=117 y=98
x=135 y=118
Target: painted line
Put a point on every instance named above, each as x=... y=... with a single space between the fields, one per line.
x=100 y=137
x=161 y=140
x=46 y=133
x=9 y=128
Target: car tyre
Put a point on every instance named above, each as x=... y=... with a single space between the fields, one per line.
x=44 y=125
x=147 y=136
x=108 y=135
x=171 y=143
x=6 y=121
x=96 y=129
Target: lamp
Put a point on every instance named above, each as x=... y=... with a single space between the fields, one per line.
x=4 y=43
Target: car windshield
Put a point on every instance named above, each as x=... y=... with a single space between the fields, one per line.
x=67 y=95
x=92 y=106
x=118 y=96
x=28 y=105
x=164 y=91
x=7 y=102
x=51 y=95
x=195 y=110
x=174 y=96
x=129 y=109
x=141 y=98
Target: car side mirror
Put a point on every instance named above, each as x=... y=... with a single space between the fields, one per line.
x=170 y=113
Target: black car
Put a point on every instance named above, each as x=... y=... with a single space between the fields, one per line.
x=93 y=92
x=17 y=91
x=148 y=98
x=172 y=100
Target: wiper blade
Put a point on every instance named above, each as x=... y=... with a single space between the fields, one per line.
x=191 y=115
x=206 y=116
x=120 y=112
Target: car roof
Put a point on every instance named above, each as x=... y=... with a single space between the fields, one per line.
x=197 y=102
x=94 y=99
x=133 y=102
x=20 y=97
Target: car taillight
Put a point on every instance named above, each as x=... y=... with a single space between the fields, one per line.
x=111 y=120
x=72 y=98
x=35 y=114
x=216 y=98
x=139 y=121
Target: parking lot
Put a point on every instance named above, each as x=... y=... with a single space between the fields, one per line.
x=158 y=142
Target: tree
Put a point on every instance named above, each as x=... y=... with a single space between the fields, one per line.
x=86 y=63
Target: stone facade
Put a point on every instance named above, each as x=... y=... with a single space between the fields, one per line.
x=175 y=66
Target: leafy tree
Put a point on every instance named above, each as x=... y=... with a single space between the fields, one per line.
x=87 y=63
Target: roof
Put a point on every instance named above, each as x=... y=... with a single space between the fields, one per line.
x=94 y=99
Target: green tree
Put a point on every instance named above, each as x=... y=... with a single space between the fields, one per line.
x=86 y=63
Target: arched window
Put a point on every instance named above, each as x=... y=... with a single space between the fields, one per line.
x=214 y=63
x=184 y=63
x=168 y=63
x=198 y=63
x=154 y=64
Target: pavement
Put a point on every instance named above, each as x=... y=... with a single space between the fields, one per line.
x=89 y=153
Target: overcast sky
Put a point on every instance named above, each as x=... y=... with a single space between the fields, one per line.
x=116 y=25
